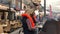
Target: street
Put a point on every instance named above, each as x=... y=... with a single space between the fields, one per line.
x=17 y=31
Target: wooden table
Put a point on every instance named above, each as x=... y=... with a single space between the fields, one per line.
x=12 y=23
x=4 y=25
x=3 y=33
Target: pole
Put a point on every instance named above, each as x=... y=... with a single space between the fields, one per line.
x=21 y=4
x=44 y=8
x=9 y=5
x=9 y=10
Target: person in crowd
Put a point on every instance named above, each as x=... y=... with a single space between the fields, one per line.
x=29 y=11
x=26 y=25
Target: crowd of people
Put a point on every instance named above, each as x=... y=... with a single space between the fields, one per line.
x=34 y=16
x=33 y=13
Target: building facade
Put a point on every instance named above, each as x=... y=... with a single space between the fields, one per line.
x=14 y=3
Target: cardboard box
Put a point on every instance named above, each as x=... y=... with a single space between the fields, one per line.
x=8 y=27
x=1 y=29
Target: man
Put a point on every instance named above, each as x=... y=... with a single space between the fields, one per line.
x=28 y=24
